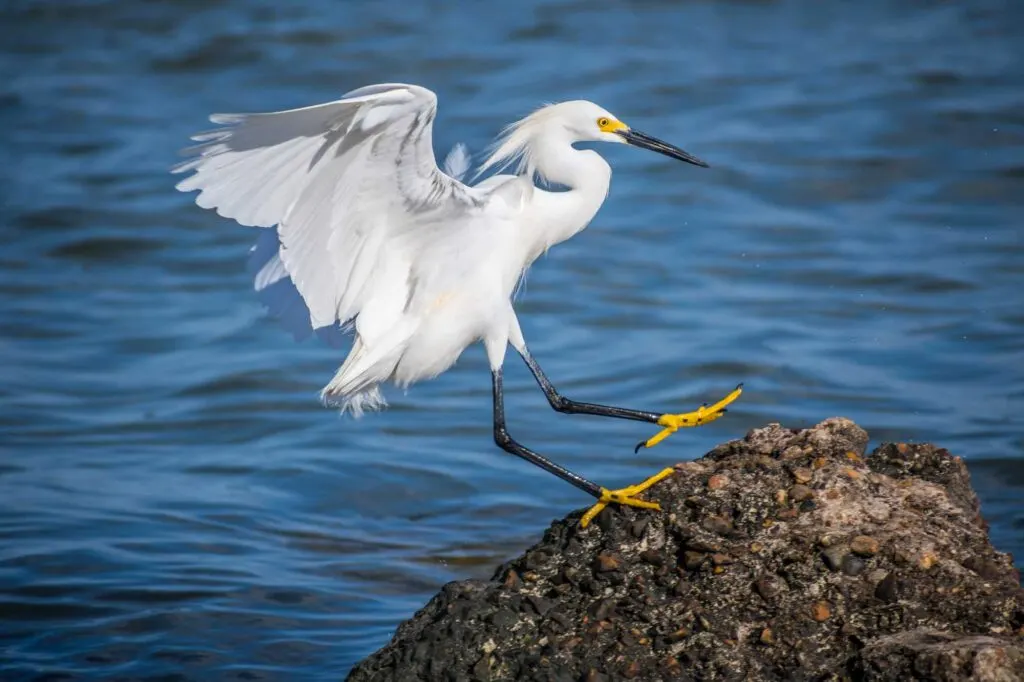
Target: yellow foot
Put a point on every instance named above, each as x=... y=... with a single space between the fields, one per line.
x=702 y=415
x=626 y=496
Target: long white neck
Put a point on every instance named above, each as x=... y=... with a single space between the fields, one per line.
x=556 y=216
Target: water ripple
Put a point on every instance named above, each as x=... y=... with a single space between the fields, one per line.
x=174 y=504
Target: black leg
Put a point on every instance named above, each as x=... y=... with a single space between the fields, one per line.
x=566 y=406
x=508 y=444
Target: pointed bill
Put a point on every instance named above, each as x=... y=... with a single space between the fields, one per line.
x=644 y=141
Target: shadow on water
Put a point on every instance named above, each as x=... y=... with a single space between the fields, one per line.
x=172 y=499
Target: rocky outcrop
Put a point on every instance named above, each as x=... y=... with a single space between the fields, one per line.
x=785 y=555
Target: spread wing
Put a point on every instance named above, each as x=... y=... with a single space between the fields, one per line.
x=341 y=181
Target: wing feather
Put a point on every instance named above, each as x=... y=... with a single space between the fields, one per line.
x=457 y=163
x=342 y=181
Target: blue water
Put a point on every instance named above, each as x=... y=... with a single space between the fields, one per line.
x=173 y=499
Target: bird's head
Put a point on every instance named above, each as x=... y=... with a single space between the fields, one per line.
x=577 y=121
x=588 y=122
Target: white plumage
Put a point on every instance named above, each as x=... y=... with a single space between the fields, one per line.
x=374 y=235
x=458 y=162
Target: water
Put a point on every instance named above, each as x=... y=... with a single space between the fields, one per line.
x=174 y=501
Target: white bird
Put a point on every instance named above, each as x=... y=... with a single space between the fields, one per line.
x=373 y=236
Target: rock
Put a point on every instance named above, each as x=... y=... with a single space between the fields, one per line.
x=717 y=482
x=834 y=556
x=802 y=475
x=768 y=587
x=865 y=545
x=539 y=604
x=886 y=588
x=720 y=559
x=887 y=575
x=852 y=565
x=718 y=524
x=606 y=562
x=693 y=560
x=800 y=493
x=512 y=580
x=929 y=654
x=821 y=611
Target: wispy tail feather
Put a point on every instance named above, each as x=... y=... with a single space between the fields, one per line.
x=369 y=400
x=356 y=385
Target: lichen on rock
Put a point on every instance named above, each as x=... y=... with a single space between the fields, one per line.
x=787 y=554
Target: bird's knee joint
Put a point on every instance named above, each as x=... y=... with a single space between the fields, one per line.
x=561 y=403
x=501 y=437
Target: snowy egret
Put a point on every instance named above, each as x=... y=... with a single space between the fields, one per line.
x=372 y=235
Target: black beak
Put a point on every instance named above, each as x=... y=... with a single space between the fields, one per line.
x=638 y=139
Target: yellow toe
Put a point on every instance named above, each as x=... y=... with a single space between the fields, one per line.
x=626 y=496
x=704 y=414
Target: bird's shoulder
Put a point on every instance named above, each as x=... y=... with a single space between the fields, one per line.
x=506 y=192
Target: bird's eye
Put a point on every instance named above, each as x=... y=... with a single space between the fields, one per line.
x=602 y=122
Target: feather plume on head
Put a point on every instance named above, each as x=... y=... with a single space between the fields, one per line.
x=514 y=147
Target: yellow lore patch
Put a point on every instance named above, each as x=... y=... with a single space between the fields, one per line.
x=610 y=125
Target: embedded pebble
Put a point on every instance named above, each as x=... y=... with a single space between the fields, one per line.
x=768 y=587
x=717 y=524
x=606 y=561
x=540 y=604
x=830 y=539
x=692 y=560
x=802 y=475
x=703 y=546
x=638 y=527
x=853 y=565
x=887 y=589
x=834 y=556
x=721 y=559
x=865 y=545
x=679 y=635
x=800 y=493
x=718 y=481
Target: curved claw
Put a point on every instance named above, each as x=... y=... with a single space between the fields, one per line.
x=702 y=415
x=626 y=496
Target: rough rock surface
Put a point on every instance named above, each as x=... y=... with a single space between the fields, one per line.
x=784 y=555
